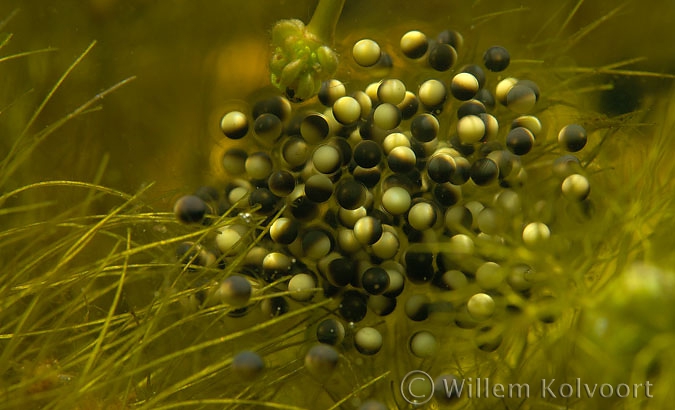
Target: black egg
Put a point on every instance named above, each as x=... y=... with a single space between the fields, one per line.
x=414 y=44
x=318 y=188
x=330 y=331
x=314 y=128
x=369 y=177
x=264 y=199
x=451 y=37
x=351 y=194
x=409 y=106
x=276 y=105
x=520 y=141
x=484 y=171
x=496 y=58
x=367 y=154
x=419 y=266
x=401 y=159
x=304 y=209
x=447 y=194
x=572 y=137
x=417 y=307
x=470 y=107
x=234 y=161
x=354 y=306
x=442 y=57
x=341 y=271
x=485 y=96
x=462 y=171
x=247 y=365
x=268 y=127
x=321 y=360
x=275 y=306
x=330 y=91
x=284 y=230
x=234 y=125
x=281 y=183
x=464 y=86
x=424 y=127
x=190 y=209
x=375 y=280
x=440 y=168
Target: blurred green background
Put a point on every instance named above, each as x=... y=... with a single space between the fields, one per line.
x=191 y=57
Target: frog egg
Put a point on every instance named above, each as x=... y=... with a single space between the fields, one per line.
x=330 y=331
x=347 y=241
x=314 y=128
x=235 y=290
x=263 y=200
x=451 y=37
x=276 y=264
x=321 y=360
x=276 y=105
x=354 y=306
x=441 y=167
x=274 y=306
x=318 y=188
x=350 y=194
x=284 y=230
x=520 y=277
x=367 y=154
x=259 y=165
x=461 y=244
x=576 y=187
x=327 y=159
x=490 y=221
x=364 y=101
x=348 y=217
x=234 y=125
x=520 y=140
x=432 y=94
x=453 y=280
x=447 y=194
x=396 y=200
x=489 y=276
x=417 y=307
x=234 y=161
x=386 y=116
x=393 y=140
x=368 y=340
x=464 y=86
x=414 y=44
x=572 y=137
x=190 y=209
x=470 y=129
x=530 y=122
x=229 y=237
x=301 y=287
x=375 y=280
x=281 y=183
x=481 y=306
x=366 y=52
x=424 y=127
x=387 y=246
x=521 y=98
x=442 y=57
x=295 y=152
x=462 y=171
x=401 y=160
x=503 y=88
x=346 y=110
x=391 y=91
x=423 y=344
x=368 y=230
x=470 y=107
x=330 y=91
x=317 y=243
x=267 y=128
x=496 y=58
x=381 y=305
x=409 y=105
x=535 y=233
x=247 y=365
x=422 y=216
x=484 y=171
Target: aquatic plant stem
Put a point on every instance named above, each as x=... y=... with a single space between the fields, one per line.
x=325 y=18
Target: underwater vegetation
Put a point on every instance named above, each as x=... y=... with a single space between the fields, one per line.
x=393 y=205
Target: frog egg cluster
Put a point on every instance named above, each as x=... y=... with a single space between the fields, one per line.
x=399 y=201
